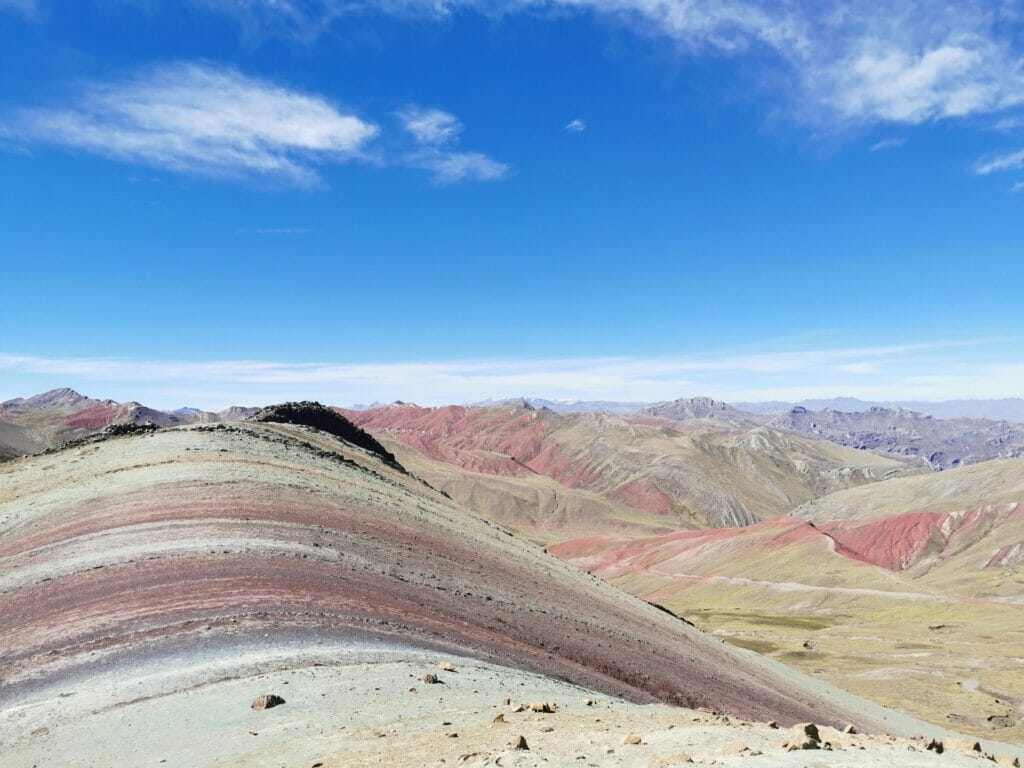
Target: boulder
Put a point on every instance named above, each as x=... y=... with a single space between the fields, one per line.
x=631 y=738
x=804 y=731
x=267 y=701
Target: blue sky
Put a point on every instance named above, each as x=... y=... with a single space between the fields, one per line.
x=220 y=201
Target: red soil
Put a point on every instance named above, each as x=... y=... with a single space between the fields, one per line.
x=93 y=418
x=641 y=494
x=889 y=542
x=492 y=441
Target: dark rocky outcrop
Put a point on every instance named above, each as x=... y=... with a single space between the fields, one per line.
x=312 y=414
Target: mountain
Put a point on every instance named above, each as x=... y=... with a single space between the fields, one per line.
x=168 y=579
x=909 y=591
x=565 y=406
x=50 y=419
x=552 y=476
x=1004 y=409
x=943 y=443
x=693 y=408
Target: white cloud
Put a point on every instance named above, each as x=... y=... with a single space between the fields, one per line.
x=839 y=63
x=1018 y=186
x=1008 y=124
x=450 y=167
x=201 y=119
x=1008 y=162
x=576 y=126
x=431 y=126
x=892 y=143
x=872 y=373
x=436 y=131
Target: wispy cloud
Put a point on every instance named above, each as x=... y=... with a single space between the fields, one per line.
x=838 y=63
x=1010 y=161
x=891 y=143
x=576 y=126
x=436 y=131
x=1008 y=124
x=1018 y=186
x=431 y=126
x=215 y=121
x=881 y=372
x=205 y=120
x=449 y=167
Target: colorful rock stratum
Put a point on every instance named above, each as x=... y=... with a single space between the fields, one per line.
x=266 y=593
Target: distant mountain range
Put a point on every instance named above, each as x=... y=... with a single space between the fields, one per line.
x=1004 y=409
x=568 y=406
x=30 y=425
x=943 y=443
x=48 y=420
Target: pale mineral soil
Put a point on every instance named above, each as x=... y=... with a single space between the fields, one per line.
x=365 y=704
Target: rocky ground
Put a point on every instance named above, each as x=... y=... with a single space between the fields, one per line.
x=367 y=705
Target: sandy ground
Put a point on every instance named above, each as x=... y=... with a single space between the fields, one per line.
x=367 y=705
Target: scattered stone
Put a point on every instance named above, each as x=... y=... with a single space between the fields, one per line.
x=498 y=718
x=630 y=738
x=430 y=679
x=1008 y=760
x=736 y=749
x=541 y=706
x=452 y=735
x=506 y=701
x=682 y=757
x=850 y=729
x=802 y=731
x=547 y=728
x=804 y=744
x=589 y=702
x=519 y=708
x=935 y=746
x=773 y=724
x=267 y=701
x=521 y=743
x=446 y=666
